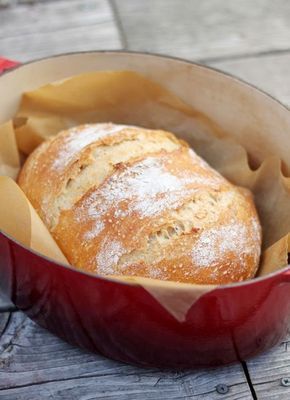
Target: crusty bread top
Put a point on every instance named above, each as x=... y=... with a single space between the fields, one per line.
x=130 y=201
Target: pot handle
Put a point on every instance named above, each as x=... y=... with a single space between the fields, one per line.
x=6 y=64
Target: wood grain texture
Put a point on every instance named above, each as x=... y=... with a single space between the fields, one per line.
x=206 y=29
x=269 y=72
x=270 y=373
x=29 y=31
x=4 y=321
x=35 y=364
x=248 y=39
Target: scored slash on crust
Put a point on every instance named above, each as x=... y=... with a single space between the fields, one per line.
x=127 y=200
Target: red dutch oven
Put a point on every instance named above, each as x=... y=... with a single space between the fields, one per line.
x=122 y=320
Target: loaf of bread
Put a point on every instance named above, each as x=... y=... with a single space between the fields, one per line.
x=123 y=200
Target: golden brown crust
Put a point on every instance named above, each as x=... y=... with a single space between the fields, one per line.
x=130 y=201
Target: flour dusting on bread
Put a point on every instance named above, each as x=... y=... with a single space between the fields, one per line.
x=73 y=143
x=217 y=242
x=108 y=256
x=135 y=201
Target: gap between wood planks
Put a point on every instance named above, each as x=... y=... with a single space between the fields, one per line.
x=248 y=378
x=10 y=3
x=244 y=56
x=119 y=23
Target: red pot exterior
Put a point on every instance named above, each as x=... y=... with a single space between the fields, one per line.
x=124 y=322
x=7 y=64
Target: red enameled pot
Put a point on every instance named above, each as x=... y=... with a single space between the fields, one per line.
x=121 y=320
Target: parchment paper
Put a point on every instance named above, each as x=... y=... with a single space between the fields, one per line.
x=128 y=98
x=19 y=219
x=9 y=155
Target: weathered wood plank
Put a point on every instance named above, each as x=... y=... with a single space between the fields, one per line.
x=212 y=29
x=46 y=28
x=36 y=364
x=8 y=3
x=204 y=29
x=270 y=373
x=4 y=320
x=33 y=363
x=271 y=73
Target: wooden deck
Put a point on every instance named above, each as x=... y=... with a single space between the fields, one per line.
x=250 y=39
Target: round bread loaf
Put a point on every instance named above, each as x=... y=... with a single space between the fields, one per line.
x=123 y=200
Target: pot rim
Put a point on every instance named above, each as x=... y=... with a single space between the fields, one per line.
x=150 y=54
x=280 y=272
